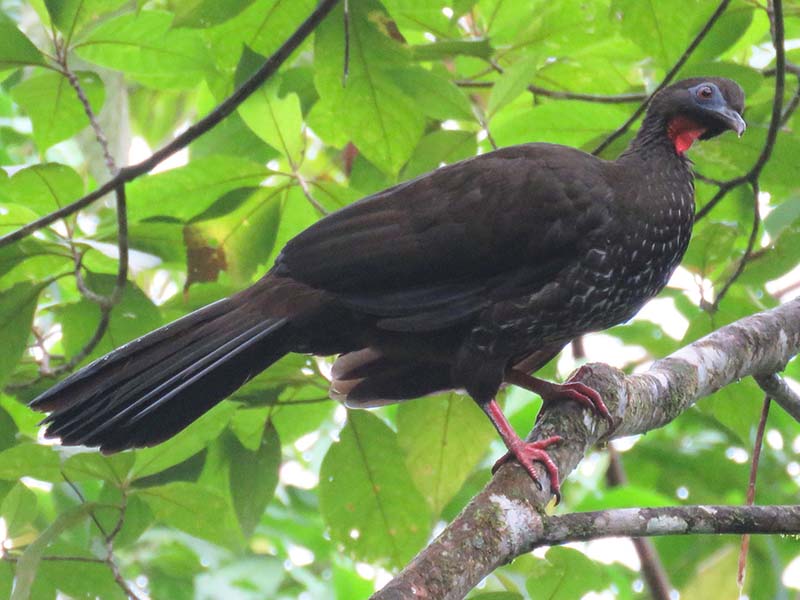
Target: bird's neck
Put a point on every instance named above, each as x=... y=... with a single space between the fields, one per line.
x=657 y=175
x=664 y=141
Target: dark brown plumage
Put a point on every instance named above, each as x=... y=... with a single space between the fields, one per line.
x=447 y=281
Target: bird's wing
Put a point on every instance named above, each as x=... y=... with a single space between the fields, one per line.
x=432 y=251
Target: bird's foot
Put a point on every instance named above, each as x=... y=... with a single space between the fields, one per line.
x=569 y=390
x=525 y=453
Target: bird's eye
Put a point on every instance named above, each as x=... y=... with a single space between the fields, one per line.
x=705 y=92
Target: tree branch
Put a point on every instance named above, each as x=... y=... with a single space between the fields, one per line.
x=230 y=104
x=504 y=520
x=669 y=520
x=778 y=390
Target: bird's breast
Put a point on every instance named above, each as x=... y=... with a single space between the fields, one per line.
x=634 y=262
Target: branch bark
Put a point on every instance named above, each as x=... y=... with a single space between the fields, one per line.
x=505 y=519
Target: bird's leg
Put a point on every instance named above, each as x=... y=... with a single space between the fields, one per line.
x=570 y=390
x=524 y=452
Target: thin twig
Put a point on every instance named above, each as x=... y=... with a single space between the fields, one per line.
x=751 y=242
x=751 y=489
x=775 y=120
x=563 y=95
x=82 y=499
x=781 y=393
x=106 y=303
x=307 y=193
x=108 y=537
x=754 y=173
x=346 y=58
x=87 y=108
x=230 y=104
x=109 y=540
x=485 y=126
x=598 y=98
x=54 y=558
x=667 y=79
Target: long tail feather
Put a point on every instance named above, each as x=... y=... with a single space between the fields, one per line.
x=148 y=390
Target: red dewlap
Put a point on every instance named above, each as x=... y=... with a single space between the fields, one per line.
x=683 y=132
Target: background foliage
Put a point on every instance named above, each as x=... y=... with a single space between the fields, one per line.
x=279 y=492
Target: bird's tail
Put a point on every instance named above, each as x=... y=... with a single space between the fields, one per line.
x=151 y=388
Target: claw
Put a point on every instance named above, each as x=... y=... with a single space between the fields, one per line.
x=525 y=453
x=570 y=390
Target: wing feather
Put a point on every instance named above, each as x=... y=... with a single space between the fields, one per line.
x=433 y=251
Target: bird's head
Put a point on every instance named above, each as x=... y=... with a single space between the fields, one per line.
x=699 y=108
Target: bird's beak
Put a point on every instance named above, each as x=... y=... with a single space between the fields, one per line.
x=732 y=119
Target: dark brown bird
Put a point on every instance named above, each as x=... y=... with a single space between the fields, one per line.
x=468 y=277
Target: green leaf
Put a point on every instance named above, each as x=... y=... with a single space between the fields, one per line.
x=247 y=578
x=185 y=444
x=714 y=577
x=71 y=15
x=512 y=83
x=137 y=518
x=42 y=259
x=626 y=496
x=565 y=122
x=234 y=138
x=439 y=97
x=446 y=48
x=92 y=465
x=785 y=215
x=263 y=27
x=658 y=28
x=6 y=579
x=348 y=584
x=419 y=15
x=276 y=120
x=187 y=191
x=554 y=577
x=76 y=580
x=16 y=50
x=727 y=30
x=295 y=420
x=17 y=306
x=18 y=509
x=711 y=244
x=443 y=439
x=382 y=120
x=441 y=146
x=206 y=13
x=30 y=460
x=8 y=430
x=132 y=317
x=237 y=242
x=44 y=188
x=366 y=495
x=28 y=564
x=198 y=510
x=54 y=107
x=254 y=477
x=145 y=47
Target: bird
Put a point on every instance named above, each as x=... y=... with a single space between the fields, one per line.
x=470 y=277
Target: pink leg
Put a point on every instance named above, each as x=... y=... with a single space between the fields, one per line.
x=524 y=452
x=571 y=390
